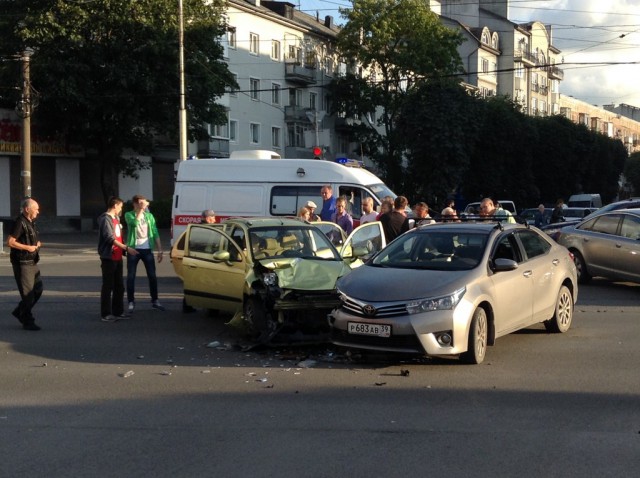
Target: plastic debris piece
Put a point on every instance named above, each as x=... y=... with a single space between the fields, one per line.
x=213 y=345
x=307 y=363
x=404 y=373
x=205 y=371
x=165 y=372
x=127 y=374
x=44 y=364
x=380 y=384
x=261 y=380
x=251 y=374
x=140 y=357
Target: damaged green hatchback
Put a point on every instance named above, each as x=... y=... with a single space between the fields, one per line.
x=277 y=275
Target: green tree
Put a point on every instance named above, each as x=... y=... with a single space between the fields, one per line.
x=444 y=123
x=399 y=44
x=632 y=173
x=107 y=71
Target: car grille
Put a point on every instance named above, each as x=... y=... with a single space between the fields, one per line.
x=406 y=343
x=366 y=310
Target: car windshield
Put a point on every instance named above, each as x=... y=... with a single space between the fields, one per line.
x=291 y=241
x=434 y=250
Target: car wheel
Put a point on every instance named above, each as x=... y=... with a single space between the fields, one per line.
x=561 y=320
x=262 y=328
x=477 y=346
x=581 y=267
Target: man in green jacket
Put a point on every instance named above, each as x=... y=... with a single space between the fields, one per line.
x=142 y=235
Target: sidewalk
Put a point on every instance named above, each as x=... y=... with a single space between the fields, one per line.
x=68 y=242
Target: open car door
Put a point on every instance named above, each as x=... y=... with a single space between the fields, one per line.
x=213 y=269
x=363 y=243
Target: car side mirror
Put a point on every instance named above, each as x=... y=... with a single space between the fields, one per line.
x=502 y=265
x=221 y=256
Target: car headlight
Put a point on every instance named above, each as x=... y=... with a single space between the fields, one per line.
x=269 y=278
x=445 y=302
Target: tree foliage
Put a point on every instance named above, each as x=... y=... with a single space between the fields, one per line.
x=458 y=144
x=401 y=44
x=632 y=173
x=107 y=71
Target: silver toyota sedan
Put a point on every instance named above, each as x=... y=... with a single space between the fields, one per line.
x=452 y=289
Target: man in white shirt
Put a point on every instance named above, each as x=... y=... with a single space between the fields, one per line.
x=368 y=213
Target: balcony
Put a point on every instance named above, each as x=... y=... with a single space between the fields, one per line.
x=555 y=73
x=297 y=73
x=345 y=124
x=526 y=57
x=544 y=90
x=213 y=148
x=296 y=114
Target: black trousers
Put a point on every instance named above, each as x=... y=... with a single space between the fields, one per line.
x=112 y=292
x=30 y=287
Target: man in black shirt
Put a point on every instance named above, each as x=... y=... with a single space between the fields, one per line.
x=25 y=247
x=395 y=222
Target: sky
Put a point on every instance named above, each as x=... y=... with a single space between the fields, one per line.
x=599 y=41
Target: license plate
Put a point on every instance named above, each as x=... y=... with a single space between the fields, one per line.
x=376 y=330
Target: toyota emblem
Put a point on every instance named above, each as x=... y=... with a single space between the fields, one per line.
x=369 y=310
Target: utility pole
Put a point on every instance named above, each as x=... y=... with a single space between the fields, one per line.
x=25 y=109
x=183 y=108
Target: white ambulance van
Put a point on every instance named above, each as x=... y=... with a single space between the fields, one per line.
x=243 y=186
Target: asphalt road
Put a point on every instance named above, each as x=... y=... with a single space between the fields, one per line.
x=197 y=404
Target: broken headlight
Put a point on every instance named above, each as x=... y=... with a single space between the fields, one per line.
x=269 y=278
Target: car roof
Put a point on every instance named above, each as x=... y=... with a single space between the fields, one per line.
x=266 y=221
x=481 y=225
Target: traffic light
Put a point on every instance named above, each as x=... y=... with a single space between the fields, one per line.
x=317 y=152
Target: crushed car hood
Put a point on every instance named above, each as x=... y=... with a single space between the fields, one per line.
x=307 y=274
x=376 y=284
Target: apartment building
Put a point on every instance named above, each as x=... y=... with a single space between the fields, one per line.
x=604 y=120
x=282 y=60
x=505 y=58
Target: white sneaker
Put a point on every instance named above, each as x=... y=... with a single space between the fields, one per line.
x=132 y=306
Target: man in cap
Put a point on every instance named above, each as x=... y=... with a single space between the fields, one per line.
x=208 y=216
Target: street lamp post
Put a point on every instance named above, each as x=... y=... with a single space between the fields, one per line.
x=24 y=109
x=183 y=108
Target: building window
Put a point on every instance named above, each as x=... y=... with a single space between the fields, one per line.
x=219 y=130
x=275 y=50
x=255 y=88
x=254 y=133
x=296 y=136
x=313 y=100
x=233 y=91
x=231 y=37
x=520 y=72
x=295 y=97
x=275 y=137
x=254 y=43
x=328 y=66
x=484 y=65
x=295 y=54
x=233 y=131
x=275 y=93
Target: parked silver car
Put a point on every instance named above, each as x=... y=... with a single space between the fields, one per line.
x=453 y=288
x=606 y=245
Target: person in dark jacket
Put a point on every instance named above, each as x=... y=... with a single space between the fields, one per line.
x=25 y=246
x=395 y=223
x=111 y=249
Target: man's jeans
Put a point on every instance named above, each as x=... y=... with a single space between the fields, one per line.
x=146 y=256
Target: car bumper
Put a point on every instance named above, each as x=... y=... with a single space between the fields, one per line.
x=416 y=333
